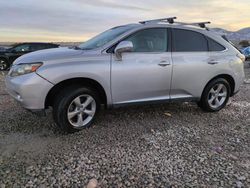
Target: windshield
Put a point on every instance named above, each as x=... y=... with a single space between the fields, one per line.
x=105 y=37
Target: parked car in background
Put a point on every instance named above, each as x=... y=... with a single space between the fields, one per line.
x=7 y=56
x=149 y=62
x=3 y=48
x=246 y=52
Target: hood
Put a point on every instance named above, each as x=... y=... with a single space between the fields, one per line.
x=47 y=55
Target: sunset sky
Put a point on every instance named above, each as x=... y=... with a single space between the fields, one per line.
x=78 y=20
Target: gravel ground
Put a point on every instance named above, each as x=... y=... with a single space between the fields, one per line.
x=171 y=145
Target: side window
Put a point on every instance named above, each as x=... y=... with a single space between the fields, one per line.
x=214 y=46
x=35 y=47
x=22 y=48
x=51 y=46
x=149 y=40
x=188 y=41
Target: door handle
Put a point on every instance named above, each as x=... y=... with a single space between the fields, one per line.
x=213 y=62
x=164 y=63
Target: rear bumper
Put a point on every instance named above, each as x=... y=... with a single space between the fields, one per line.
x=29 y=90
x=238 y=82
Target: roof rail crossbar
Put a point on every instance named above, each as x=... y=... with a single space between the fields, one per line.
x=199 y=24
x=169 y=20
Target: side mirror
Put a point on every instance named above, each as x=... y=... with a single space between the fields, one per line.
x=124 y=46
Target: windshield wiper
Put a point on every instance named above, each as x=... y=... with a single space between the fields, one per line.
x=74 y=47
x=78 y=48
x=86 y=48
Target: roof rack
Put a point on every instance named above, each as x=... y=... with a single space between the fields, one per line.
x=199 y=24
x=171 y=21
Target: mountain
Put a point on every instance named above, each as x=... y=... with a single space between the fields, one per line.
x=234 y=36
x=243 y=34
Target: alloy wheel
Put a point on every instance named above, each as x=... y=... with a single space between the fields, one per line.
x=81 y=111
x=217 y=96
x=3 y=65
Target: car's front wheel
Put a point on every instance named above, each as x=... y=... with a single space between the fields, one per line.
x=75 y=108
x=4 y=64
x=215 y=96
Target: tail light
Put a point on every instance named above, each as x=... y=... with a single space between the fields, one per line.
x=241 y=56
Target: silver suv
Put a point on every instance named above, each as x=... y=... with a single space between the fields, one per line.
x=152 y=61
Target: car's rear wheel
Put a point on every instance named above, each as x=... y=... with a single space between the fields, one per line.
x=75 y=108
x=215 y=95
x=4 y=64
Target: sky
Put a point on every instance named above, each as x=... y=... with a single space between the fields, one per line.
x=79 y=20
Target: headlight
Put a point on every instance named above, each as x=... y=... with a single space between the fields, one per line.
x=22 y=69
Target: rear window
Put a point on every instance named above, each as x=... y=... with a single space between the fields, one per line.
x=214 y=46
x=188 y=41
x=232 y=44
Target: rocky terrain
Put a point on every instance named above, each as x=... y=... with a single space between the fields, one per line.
x=170 y=145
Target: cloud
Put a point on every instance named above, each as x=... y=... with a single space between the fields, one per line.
x=76 y=19
x=111 y=4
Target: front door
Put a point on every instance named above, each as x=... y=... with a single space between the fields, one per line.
x=144 y=74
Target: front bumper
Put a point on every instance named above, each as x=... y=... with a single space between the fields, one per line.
x=30 y=90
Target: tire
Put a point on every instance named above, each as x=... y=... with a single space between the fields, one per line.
x=4 y=64
x=215 y=96
x=70 y=110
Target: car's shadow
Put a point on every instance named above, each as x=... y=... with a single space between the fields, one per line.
x=20 y=120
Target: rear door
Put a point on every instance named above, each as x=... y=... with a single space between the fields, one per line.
x=145 y=73
x=192 y=64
